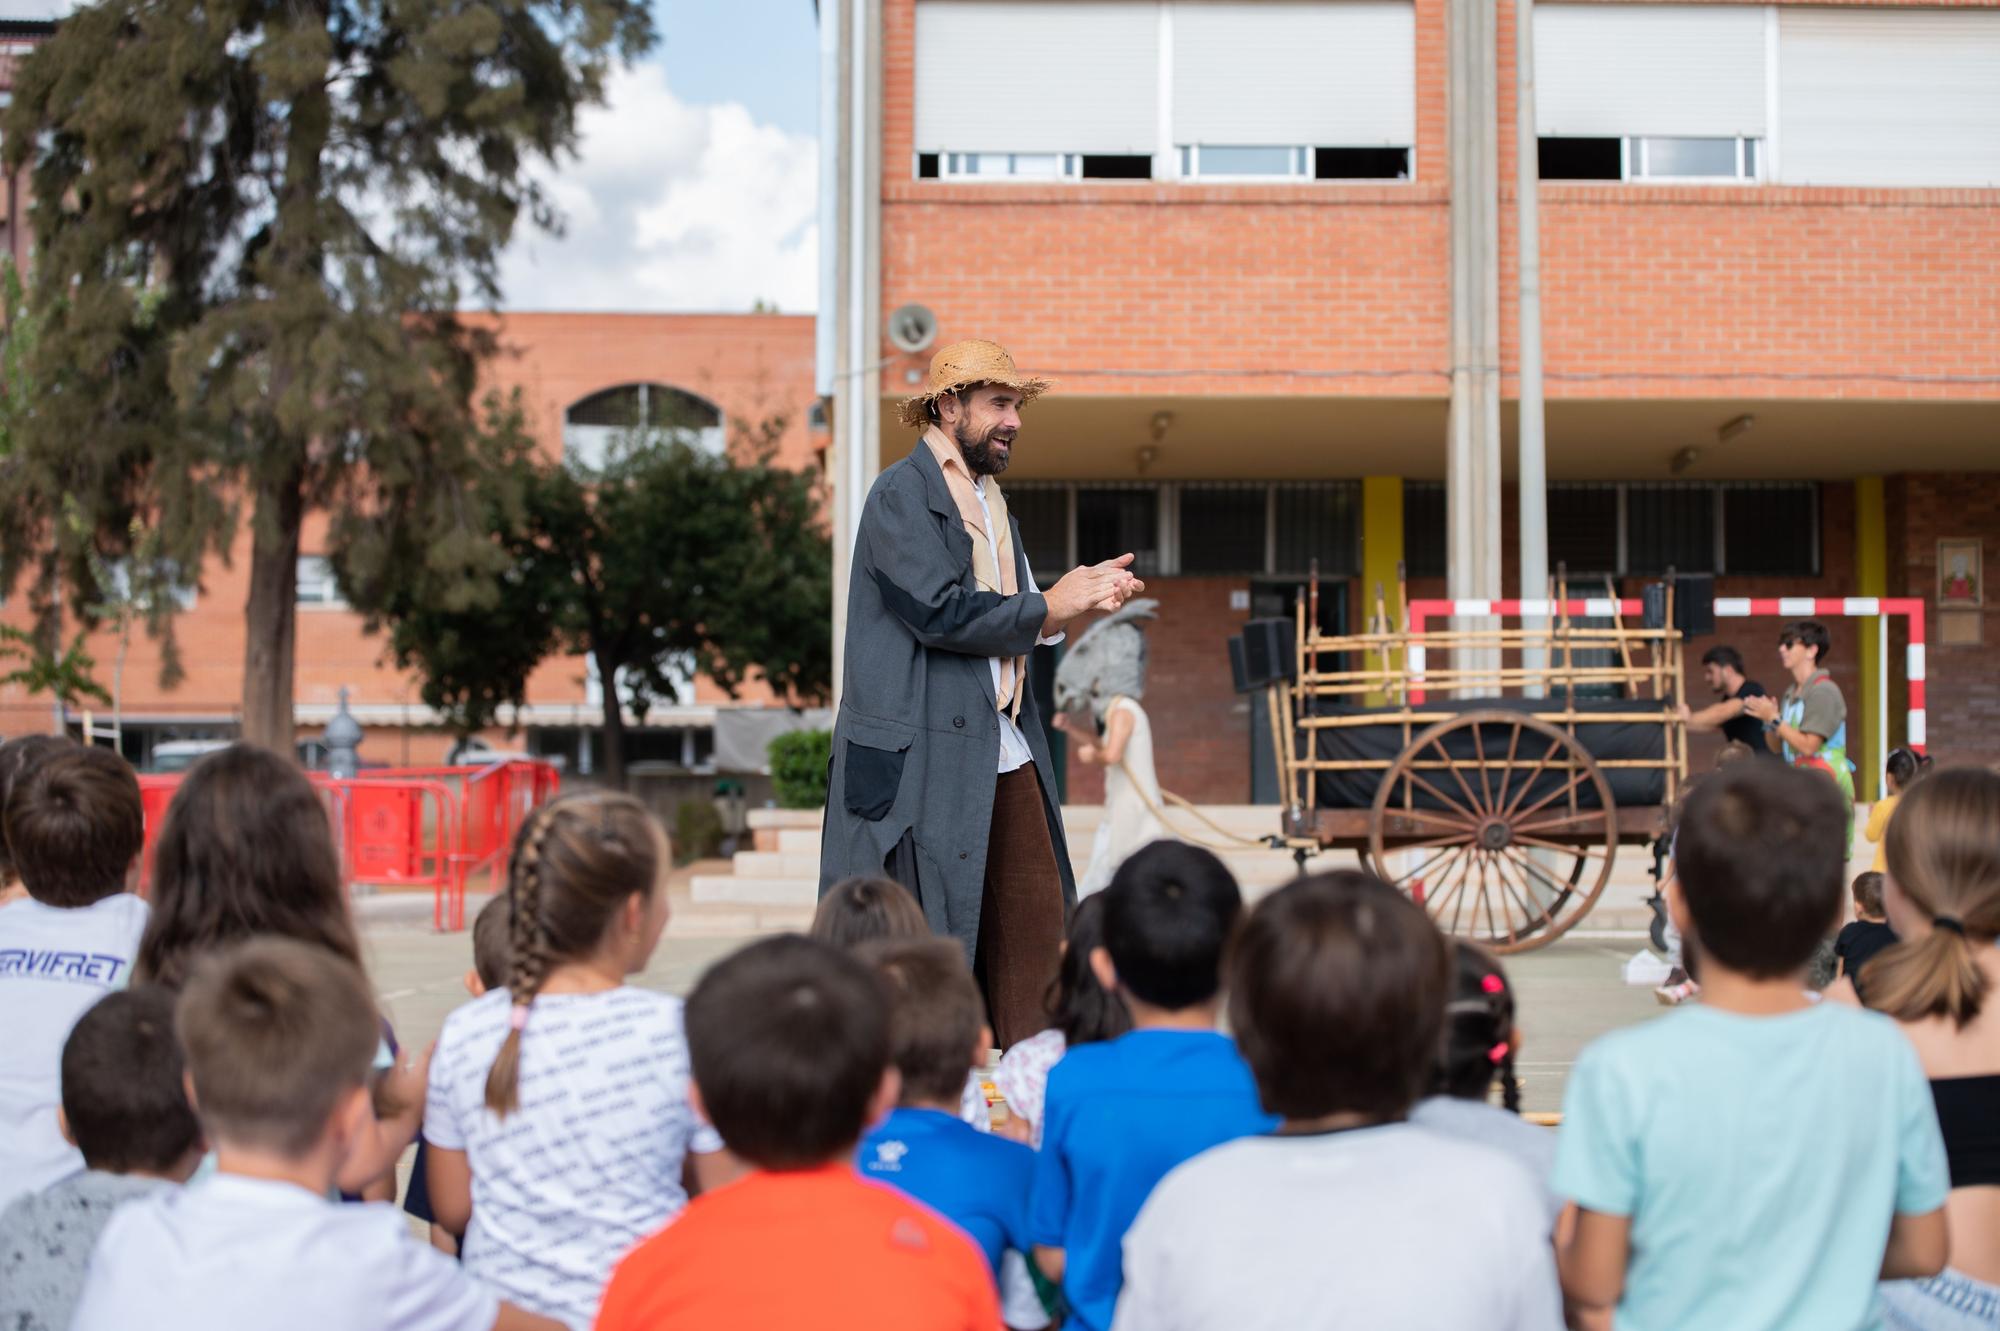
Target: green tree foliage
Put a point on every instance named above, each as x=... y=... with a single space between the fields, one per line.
x=665 y=562
x=254 y=223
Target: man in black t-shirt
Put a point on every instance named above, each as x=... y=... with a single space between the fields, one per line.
x=1722 y=667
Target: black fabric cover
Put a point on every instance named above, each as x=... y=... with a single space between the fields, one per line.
x=1630 y=787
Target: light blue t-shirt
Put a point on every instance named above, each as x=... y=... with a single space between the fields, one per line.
x=1118 y=1116
x=1759 y=1158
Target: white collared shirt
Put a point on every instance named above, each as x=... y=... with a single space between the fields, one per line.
x=1014 y=751
x=232 y=1251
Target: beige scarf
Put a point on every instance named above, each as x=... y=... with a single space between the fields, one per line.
x=992 y=569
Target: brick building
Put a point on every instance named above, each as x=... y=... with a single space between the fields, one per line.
x=581 y=377
x=1770 y=275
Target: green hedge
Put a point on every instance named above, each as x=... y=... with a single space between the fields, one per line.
x=799 y=761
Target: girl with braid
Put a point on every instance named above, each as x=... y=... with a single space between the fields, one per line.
x=559 y=1126
x=1480 y=1043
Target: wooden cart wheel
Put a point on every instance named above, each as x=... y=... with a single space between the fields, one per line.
x=1490 y=821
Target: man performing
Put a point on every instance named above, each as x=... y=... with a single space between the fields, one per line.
x=1722 y=668
x=941 y=775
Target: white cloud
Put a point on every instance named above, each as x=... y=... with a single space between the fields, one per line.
x=672 y=206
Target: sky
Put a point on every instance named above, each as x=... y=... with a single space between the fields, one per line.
x=695 y=184
x=694 y=188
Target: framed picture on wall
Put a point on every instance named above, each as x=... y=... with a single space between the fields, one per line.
x=1961 y=574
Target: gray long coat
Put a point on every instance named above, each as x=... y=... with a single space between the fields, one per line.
x=916 y=745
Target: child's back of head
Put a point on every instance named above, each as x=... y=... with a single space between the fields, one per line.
x=1943 y=852
x=1337 y=997
x=789 y=1041
x=855 y=910
x=937 y=1020
x=1168 y=915
x=18 y=756
x=74 y=826
x=246 y=850
x=1079 y=1006
x=124 y=1099
x=492 y=942
x=1479 y=1030
x=279 y=1036
x=1760 y=852
x=1867 y=891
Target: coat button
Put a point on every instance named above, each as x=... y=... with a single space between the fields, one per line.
x=958 y=722
x=961 y=854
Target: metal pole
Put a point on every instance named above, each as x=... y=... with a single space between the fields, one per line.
x=1532 y=471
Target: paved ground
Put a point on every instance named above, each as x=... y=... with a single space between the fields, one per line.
x=1570 y=992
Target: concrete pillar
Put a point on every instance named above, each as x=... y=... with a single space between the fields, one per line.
x=1531 y=473
x=1472 y=465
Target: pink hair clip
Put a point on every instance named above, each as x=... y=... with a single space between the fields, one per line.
x=1492 y=984
x=518 y=1018
x=1497 y=1052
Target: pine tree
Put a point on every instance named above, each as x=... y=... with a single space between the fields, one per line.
x=254 y=224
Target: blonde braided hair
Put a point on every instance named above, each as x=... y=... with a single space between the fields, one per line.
x=528 y=960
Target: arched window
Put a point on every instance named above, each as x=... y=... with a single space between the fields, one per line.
x=596 y=425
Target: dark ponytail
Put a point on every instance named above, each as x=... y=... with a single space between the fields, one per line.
x=1478 y=1043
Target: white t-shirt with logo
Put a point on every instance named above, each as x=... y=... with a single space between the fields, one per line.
x=590 y=1163
x=232 y=1251
x=55 y=963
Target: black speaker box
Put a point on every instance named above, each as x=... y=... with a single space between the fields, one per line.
x=1239 y=674
x=1694 y=604
x=1267 y=652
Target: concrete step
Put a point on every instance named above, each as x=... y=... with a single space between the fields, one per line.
x=799 y=841
x=735 y=890
x=775 y=864
x=701 y=920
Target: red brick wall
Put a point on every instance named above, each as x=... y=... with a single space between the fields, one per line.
x=1963 y=690
x=1650 y=291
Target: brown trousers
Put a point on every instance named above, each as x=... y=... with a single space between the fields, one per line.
x=1021 y=913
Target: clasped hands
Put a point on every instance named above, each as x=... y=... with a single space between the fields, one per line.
x=1106 y=586
x=1764 y=708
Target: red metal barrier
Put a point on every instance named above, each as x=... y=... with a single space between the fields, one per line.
x=434 y=827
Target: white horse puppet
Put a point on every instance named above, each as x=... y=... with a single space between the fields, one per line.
x=1104 y=673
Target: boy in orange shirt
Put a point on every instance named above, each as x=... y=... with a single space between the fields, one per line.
x=789 y=1042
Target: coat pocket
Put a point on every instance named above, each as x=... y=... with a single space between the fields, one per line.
x=873 y=766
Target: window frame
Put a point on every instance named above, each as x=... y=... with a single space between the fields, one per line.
x=333 y=600
x=1633 y=155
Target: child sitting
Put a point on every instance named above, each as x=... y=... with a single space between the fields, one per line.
x=279 y=1038
x=1480 y=1044
x=74 y=829
x=861 y=910
x=790 y=1044
x=489 y=971
x=1867 y=933
x=558 y=1129
x=1758 y=1159
x=246 y=851
x=1081 y=1011
x=937 y=1028
x=1338 y=1219
x=1121 y=1113
x=124 y=1108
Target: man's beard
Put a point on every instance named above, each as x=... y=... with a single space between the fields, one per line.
x=981 y=457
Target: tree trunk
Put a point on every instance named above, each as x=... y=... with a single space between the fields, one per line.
x=270 y=616
x=614 y=724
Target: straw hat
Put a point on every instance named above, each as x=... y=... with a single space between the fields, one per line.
x=962 y=364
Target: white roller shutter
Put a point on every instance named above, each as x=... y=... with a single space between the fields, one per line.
x=1330 y=73
x=1898 y=97
x=1037 y=76
x=1673 y=71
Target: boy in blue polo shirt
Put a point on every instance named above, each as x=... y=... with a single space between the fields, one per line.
x=1120 y=1114
x=979 y=1182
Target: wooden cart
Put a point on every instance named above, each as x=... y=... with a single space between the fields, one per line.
x=1488 y=804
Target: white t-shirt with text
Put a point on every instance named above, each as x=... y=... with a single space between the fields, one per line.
x=1392 y=1226
x=590 y=1163
x=234 y=1252
x=55 y=963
